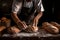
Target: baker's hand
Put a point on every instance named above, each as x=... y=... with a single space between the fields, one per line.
x=22 y=25
x=31 y=29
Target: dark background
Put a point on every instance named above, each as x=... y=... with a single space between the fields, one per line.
x=51 y=7
x=52 y=11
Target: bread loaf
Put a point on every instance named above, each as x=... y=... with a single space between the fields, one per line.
x=2 y=28
x=3 y=19
x=50 y=28
x=56 y=24
x=13 y=29
x=5 y=22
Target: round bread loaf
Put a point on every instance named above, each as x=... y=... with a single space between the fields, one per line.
x=50 y=28
x=3 y=18
x=13 y=29
x=55 y=24
x=2 y=28
x=5 y=22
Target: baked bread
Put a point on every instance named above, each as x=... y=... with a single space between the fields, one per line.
x=5 y=22
x=3 y=19
x=13 y=30
x=55 y=24
x=2 y=28
x=50 y=28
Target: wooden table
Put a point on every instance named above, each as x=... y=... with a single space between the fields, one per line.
x=41 y=35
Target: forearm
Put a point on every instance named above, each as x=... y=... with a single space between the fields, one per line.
x=36 y=19
x=20 y=24
x=15 y=18
x=39 y=15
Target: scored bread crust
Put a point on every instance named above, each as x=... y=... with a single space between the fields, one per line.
x=55 y=24
x=13 y=29
x=50 y=28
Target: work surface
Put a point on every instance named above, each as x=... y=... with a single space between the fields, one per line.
x=38 y=35
x=41 y=33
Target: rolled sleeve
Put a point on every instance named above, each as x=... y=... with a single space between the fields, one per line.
x=17 y=5
x=42 y=9
x=40 y=6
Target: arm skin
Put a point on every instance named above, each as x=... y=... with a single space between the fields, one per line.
x=15 y=18
x=16 y=6
x=18 y=21
x=39 y=11
x=36 y=19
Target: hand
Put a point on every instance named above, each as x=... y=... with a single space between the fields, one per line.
x=34 y=28
x=25 y=24
x=22 y=25
x=31 y=29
